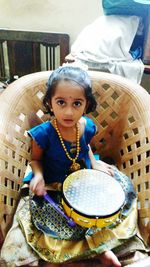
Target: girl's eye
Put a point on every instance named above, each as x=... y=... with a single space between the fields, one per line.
x=77 y=104
x=61 y=102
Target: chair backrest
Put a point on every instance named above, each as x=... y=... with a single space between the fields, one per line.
x=24 y=52
x=123 y=120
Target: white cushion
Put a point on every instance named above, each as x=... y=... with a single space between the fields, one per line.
x=108 y=38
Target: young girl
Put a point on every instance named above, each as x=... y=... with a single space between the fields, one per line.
x=59 y=147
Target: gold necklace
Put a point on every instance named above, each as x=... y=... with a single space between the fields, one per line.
x=75 y=166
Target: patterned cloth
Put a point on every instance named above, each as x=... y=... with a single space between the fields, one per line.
x=48 y=234
x=26 y=244
x=15 y=250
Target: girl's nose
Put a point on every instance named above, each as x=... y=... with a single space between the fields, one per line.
x=69 y=111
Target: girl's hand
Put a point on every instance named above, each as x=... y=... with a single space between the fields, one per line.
x=102 y=166
x=37 y=185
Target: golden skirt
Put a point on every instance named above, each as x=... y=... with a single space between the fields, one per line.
x=49 y=235
x=56 y=250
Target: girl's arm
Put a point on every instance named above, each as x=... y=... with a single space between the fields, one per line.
x=37 y=184
x=100 y=165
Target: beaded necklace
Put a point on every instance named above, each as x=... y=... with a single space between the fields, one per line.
x=75 y=166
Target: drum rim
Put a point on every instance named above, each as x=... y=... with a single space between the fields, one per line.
x=90 y=216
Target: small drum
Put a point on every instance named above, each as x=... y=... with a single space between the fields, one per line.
x=92 y=198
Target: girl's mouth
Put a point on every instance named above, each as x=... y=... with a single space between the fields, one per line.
x=68 y=120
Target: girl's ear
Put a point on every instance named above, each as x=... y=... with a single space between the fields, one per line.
x=50 y=108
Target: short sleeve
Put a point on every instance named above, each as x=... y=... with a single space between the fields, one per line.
x=40 y=134
x=90 y=129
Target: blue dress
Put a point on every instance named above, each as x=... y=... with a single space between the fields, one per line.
x=55 y=162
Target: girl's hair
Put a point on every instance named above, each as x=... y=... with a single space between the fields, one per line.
x=69 y=73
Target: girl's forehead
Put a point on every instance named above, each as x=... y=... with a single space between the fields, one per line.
x=69 y=88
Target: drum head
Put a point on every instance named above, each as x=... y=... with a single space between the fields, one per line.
x=93 y=193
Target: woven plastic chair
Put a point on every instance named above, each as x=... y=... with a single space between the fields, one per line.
x=123 y=120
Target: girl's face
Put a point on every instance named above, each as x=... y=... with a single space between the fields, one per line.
x=68 y=103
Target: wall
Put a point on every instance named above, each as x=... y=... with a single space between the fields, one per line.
x=69 y=16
